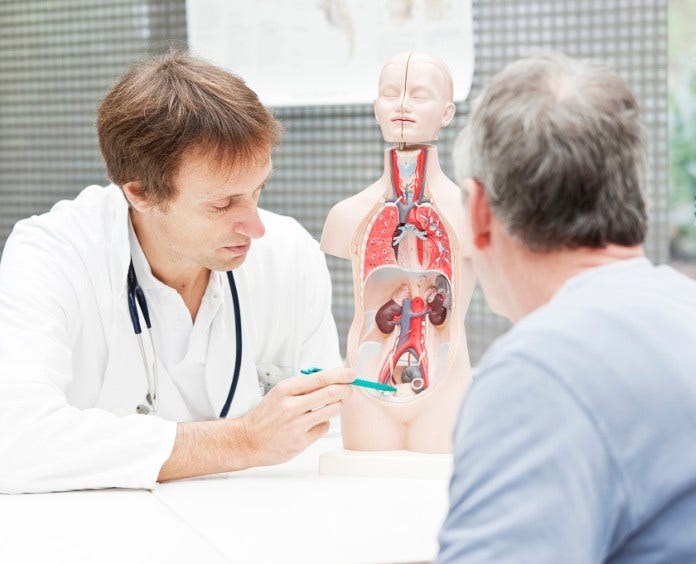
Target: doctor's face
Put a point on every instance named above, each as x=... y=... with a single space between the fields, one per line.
x=412 y=104
x=214 y=217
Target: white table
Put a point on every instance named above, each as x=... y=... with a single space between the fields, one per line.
x=285 y=513
x=105 y=526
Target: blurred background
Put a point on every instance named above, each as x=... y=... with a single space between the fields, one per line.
x=682 y=135
x=58 y=58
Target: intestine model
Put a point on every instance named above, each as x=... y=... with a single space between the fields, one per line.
x=412 y=282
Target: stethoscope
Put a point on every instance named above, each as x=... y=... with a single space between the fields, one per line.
x=136 y=297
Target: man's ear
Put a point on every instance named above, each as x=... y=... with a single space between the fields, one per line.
x=135 y=194
x=447 y=116
x=479 y=214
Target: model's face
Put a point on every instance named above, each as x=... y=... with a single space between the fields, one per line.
x=212 y=220
x=412 y=107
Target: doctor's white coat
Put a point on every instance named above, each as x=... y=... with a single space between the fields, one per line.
x=70 y=368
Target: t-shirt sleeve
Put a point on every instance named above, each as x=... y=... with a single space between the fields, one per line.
x=533 y=481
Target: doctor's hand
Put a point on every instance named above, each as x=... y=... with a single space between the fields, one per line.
x=294 y=414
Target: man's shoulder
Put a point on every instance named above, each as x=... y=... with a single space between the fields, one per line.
x=283 y=233
x=279 y=223
x=285 y=253
x=73 y=246
x=605 y=334
x=539 y=335
x=87 y=219
x=609 y=303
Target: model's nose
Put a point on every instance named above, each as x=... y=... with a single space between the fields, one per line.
x=404 y=104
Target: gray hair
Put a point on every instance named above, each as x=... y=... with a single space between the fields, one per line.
x=559 y=149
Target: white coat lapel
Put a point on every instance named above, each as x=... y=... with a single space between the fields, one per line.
x=125 y=385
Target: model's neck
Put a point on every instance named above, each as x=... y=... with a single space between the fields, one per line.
x=432 y=161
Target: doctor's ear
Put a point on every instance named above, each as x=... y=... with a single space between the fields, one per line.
x=136 y=196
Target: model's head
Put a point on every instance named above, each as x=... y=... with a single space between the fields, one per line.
x=558 y=148
x=176 y=105
x=414 y=99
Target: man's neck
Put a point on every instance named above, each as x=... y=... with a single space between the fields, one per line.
x=189 y=280
x=537 y=277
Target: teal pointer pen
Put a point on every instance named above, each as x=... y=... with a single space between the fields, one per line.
x=358 y=382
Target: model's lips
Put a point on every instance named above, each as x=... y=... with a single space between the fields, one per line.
x=239 y=249
x=401 y=119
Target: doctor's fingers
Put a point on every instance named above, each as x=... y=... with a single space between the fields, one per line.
x=304 y=384
x=325 y=396
x=321 y=415
x=318 y=431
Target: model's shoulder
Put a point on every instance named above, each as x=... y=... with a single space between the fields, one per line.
x=345 y=217
x=356 y=206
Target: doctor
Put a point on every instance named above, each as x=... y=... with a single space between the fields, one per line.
x=176 y=240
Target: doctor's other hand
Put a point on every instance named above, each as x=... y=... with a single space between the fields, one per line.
x=294 y=414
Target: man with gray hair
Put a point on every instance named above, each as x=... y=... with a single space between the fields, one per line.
x=577 y=439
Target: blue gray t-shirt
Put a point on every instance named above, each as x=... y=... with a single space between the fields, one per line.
x=577 y=440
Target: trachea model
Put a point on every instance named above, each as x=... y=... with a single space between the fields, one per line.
x=412 y=281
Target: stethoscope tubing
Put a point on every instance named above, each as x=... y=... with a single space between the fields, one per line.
x=238 y=346
x=136 y=298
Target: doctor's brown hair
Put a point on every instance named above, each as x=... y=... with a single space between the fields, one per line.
x=169 y=105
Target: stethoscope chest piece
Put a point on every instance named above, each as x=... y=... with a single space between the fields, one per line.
x=143 y=409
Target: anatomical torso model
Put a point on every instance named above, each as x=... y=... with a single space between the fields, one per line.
x=412 y=285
